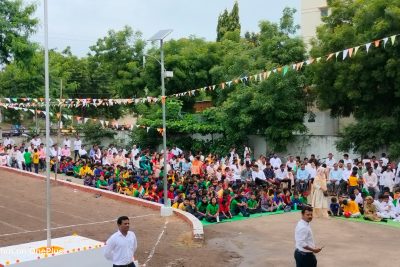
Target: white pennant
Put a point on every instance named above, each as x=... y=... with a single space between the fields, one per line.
x=385 y=41
x=367 y=46
x=345 y=52
x=85 y=120
x=356 y=49
x=393 y=38
x=147 y=129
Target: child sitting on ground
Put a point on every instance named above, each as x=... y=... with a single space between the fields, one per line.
x=334 y=207
x=252 y=204
x=351 y=207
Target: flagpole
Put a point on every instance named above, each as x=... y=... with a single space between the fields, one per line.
x=46 y=75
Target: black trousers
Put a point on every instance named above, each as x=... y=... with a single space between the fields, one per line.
x=305 y=259
x=126 y=265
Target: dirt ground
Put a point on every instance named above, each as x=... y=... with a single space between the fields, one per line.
x=269 y=241
x=264 y=241
x=22 y=209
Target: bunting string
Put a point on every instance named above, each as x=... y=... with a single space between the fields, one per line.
x=113 y=124
x=258 y=77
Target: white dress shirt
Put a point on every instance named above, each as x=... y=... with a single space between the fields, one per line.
x=303 y=236
x=275 y=162
x=77 y=144
x=258 y=174
x=120 y=249
x=8 y=141
x=67 y=143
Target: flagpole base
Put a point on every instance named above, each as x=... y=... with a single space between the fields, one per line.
x=166 y=211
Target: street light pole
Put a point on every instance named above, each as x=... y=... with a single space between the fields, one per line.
x=166 y=204
x=166 y=209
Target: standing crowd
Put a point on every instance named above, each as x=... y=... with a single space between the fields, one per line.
x=217 y=187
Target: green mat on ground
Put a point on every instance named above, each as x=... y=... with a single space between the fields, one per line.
x=241 y=218
x=389 y=223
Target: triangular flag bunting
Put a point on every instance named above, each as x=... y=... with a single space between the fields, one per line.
x=351 y=51
x=377 y=42
x=356 y=49
x=285 y=70
x=393 y=38
x=367 y=46
x=330 y=56
x=385 y=40
x=345 y=52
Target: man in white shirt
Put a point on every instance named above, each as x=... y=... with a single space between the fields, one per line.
x=82 y=153
x=291 y=162
x=275 y=162
x=257 y=174
x=384 y=159
x=77 y=147
x=371 y=182
x=347 y=160
x=387 y=179
x=8 y=141
x=67 y=142
x=36 y=141
x=121 y=246
x=305 y=245
x=330 y=161
x=135 y=151
x=176 y=151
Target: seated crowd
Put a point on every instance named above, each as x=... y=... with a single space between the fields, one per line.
x=215 y=188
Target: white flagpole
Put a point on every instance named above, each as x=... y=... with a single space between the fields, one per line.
x=46 y=75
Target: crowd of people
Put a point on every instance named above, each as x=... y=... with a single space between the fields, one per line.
x=218 y=187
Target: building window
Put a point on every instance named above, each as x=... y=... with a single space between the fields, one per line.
x=324 y=11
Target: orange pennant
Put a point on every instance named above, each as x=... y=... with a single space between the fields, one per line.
x=330 y=56
x=377 y=42
x=350 y=52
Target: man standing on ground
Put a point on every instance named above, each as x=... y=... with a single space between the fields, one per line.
x=305 y=246
x=121 y=246
x=77 y=147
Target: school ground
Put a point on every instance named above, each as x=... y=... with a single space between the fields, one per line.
x=262 y=241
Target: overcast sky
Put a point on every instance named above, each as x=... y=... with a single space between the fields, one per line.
x=79 y=23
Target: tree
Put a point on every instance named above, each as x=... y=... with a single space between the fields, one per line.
x=115 y=64
x=16 y=25
x=275 y=108
x=228 y=22
x=368 y=85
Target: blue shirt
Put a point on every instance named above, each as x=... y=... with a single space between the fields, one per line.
x=302 y=174
x=335 y=175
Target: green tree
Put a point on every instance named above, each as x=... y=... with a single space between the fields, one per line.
x=368 y=85
x=16 y=25
x=228 y=22
x=275 y=108
x=115 y=64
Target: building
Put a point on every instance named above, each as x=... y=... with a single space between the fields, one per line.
x=312 y=12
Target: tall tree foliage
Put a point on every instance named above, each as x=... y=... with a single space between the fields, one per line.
x=16 y=25
x=228 y=22
x=368 y=85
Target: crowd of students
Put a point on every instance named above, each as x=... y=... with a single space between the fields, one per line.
x=213 y=187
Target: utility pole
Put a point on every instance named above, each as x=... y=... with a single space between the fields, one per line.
x=59 y=131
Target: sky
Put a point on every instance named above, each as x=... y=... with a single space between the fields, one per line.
x=79 y=23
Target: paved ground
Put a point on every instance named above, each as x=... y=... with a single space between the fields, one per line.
x=269 y=241
x=264 y=241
